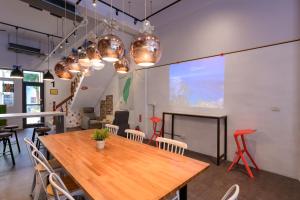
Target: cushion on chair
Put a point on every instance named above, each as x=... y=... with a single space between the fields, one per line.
x=53 y=163
x=95 y=122
x=5 y=135
x=11 y=127
x=42 y=129
x=69 y=183
x=91 y=116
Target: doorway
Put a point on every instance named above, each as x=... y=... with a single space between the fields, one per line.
x=33 y=98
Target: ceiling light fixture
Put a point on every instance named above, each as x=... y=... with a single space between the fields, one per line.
x=16 y=73
x=94 y=3
x=145 y=48
x=122 y=66
x=111 y=47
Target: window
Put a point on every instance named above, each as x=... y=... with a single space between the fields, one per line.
x=5 y=73
x=7 y=93
x=30 y=76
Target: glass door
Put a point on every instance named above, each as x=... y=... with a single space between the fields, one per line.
x=33 y=101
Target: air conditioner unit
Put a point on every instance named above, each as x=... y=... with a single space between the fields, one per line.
x=24 y=49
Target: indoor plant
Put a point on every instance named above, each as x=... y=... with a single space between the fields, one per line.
x=100 y=136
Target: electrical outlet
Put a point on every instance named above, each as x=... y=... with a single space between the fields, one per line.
x=275 y=109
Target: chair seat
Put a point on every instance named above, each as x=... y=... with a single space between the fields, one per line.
x=11 y=127
x=92 y=121
x=69 y=183
x=42 y=129
x=53 y=162
x=5 y=135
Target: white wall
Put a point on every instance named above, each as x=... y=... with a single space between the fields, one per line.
x=255 y=81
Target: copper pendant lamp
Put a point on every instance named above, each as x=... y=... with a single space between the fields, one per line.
x=122 y=66
x=83 y=59
x=145 y=49
x=72 y=64
x=94 y=56
x=111 y=48
x=62 y=72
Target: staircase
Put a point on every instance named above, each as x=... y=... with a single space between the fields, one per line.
x=85 y=92
x=72 y=116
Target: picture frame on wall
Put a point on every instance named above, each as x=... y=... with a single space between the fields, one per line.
x=53 y=91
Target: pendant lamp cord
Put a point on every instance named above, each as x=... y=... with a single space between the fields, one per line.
x=129 y=7
x=75 y=8
x=86 y=24
x=111 y=16
x=17 y=57
x=65 y=23
x=145 y=9
x=48 y=52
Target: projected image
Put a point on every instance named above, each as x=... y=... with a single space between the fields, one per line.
x=198 y=83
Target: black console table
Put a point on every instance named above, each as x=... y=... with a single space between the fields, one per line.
x=218 y=118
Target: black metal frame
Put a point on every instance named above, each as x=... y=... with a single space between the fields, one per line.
x=136 y=19
x=218 y=118
x=6 y=140
x=31 y=30
x=41 y=85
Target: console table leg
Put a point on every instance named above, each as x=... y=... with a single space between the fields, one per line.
x=218 y=141
x=225 y=138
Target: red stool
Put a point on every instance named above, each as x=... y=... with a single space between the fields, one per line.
x=241 y=150
x=155 y=134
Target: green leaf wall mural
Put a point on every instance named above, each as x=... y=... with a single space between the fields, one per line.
x=126 y=90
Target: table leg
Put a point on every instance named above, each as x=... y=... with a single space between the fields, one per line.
x=225 y=138
x=172 y=127
x=17 y=141
x=218 y=141
x=183 y=193
x=163 y=126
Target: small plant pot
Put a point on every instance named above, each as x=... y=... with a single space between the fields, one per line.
x=100 y=144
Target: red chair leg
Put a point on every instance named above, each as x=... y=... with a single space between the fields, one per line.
x=235 y=161
x=247 y=166
x=248 y=154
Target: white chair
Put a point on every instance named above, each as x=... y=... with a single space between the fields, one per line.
x=170 y=145
x=59 y=188
x=39 y=169
x=232 y=193
x=67 y=180
x=135 y=135
x=112 y=128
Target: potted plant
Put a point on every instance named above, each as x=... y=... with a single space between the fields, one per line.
x=100 y=136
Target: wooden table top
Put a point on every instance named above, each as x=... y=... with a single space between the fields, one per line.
x=124 y=169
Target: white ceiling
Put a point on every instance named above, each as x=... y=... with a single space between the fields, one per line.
x=137 y=7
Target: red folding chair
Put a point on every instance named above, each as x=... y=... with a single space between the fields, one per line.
x=243 y=149
x=155 y=134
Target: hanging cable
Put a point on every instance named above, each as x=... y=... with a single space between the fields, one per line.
x=17 y=55
x=48 y=52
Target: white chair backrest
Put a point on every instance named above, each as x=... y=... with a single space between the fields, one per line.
x=40 y=158
x=232 y=193
x=59 y=187
x=173 y=146
x=30 y=146
x=112 y=128
x=135 y=135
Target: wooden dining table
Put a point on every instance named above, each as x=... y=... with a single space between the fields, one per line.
x=124 y=169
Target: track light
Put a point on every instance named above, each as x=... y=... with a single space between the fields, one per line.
x=61 y=46
x=67 y=41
